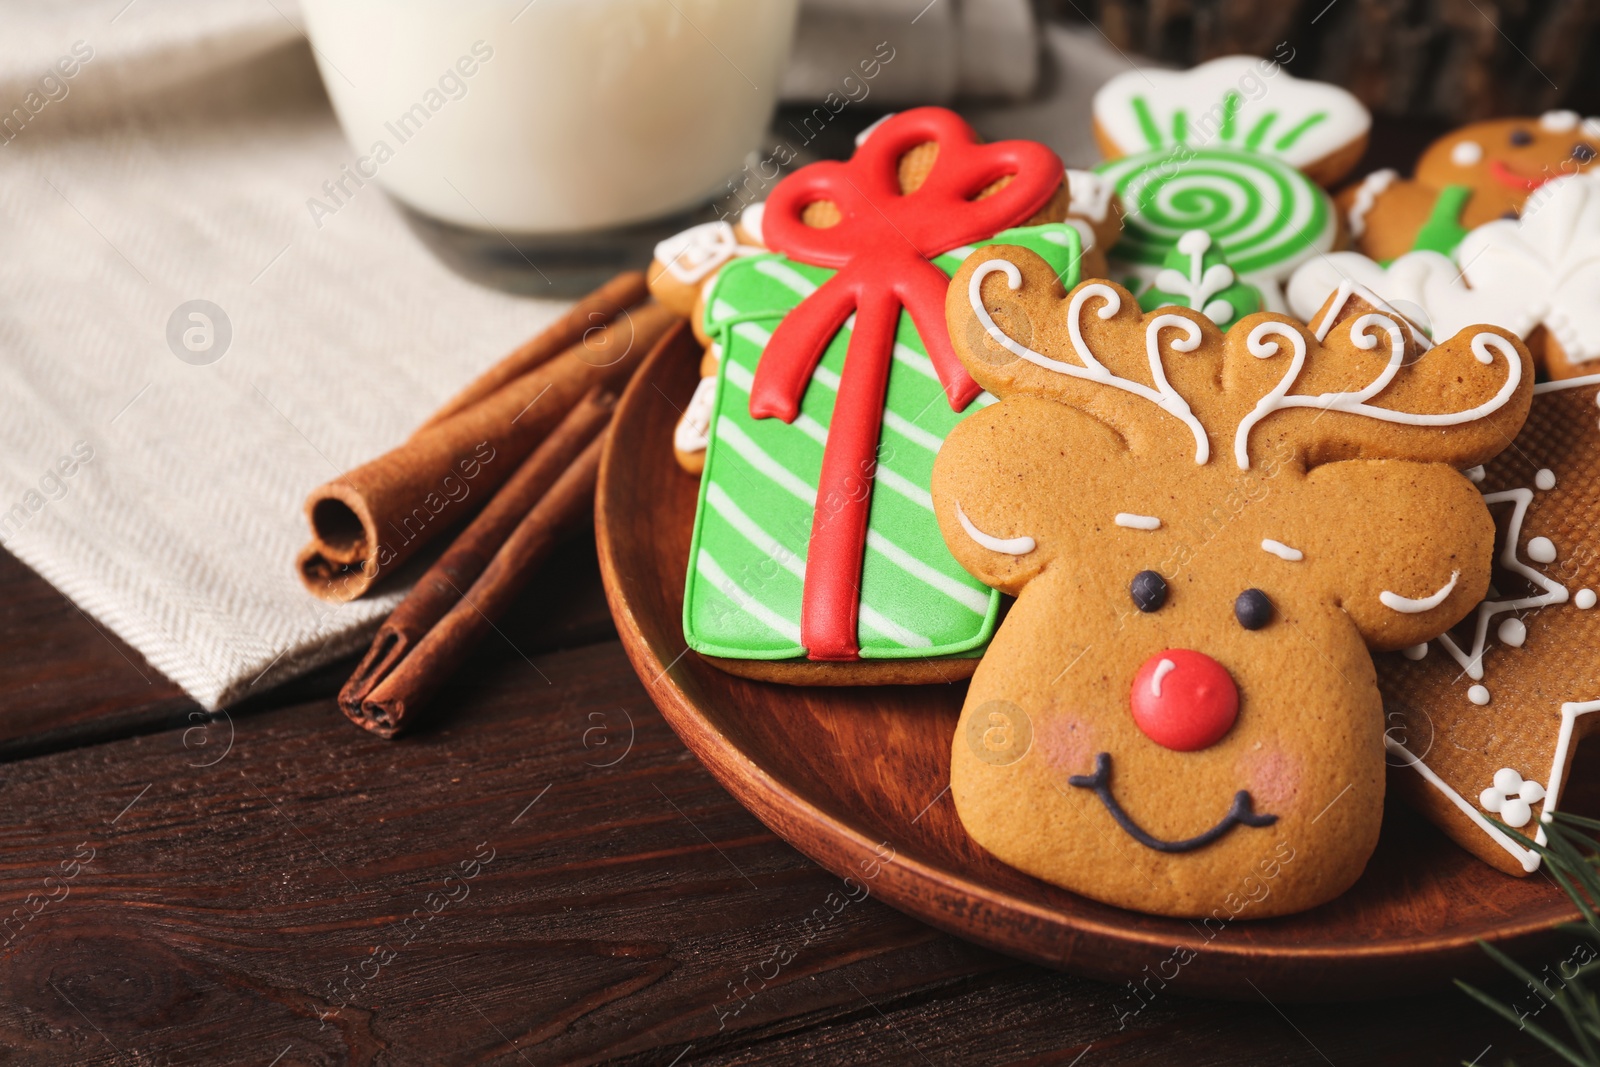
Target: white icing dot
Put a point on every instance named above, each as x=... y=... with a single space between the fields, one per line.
x=1417 y=651
x=1545 y=479
x=1507 y=780
x=1542 y=550
x=1491 y=800
x=1513 y=632
x=1558 y=121
x=1194 y=243
x=1478 y=695
x=1585 y=599
x=1466 y=153
x=1474 y=474
x=1515 y=812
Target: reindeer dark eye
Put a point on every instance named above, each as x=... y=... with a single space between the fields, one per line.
x=1521 y=137
x=1582 y=153
x=1149 y=591
x=1252 y=609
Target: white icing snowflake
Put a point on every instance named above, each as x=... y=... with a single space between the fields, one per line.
x=1553 y=592
x=1511 y=797
x=1549 y=261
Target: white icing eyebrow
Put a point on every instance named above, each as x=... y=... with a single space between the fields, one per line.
x=1407 y=606
x=1283 y=551
x=1137 y=522
x=1011 y=546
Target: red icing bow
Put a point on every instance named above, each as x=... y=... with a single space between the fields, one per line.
x=881 y=249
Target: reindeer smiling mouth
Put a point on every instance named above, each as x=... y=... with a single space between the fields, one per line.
x=1240 y=814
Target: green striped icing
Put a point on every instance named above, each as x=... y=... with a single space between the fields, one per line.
x=1266 y=216
x=758 y=492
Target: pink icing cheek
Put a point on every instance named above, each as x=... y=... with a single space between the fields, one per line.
x=1272 y=776
x=1067 y=744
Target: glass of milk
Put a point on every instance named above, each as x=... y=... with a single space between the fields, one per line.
x=549 y=117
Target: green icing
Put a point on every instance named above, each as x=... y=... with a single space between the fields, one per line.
x=757 y=494
x=1442 y=230
x=1265 y=215
x=1197 y=275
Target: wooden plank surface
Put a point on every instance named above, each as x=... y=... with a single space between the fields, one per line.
x=519 y=884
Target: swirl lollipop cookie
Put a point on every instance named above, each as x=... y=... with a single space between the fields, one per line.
x=1235 y=147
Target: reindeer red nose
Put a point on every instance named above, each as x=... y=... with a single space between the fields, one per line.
x=1184 y=700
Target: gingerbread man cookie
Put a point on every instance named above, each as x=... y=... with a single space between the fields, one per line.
x=1477 y=174
x=1483 y=722
x=1205 y=533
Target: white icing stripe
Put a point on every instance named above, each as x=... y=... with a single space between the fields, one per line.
x=1372 y=187
x=1409 y=606
x=1163 y=668
x=729 y=588
x=911 y=431
x=964 y=595
x=873 y=619
x=905 y=487
x=1527 y=857
x=1137 y=522
x=751 y=531
x=770 y=547
x=1554 y=592
x=1566 y=383
x=1341 y=296
x=753 y=454
x=1163 y=395
x=787 y=276
x=1283 y=551
x=1355 y=403
x=689 y=436
x=1552 y=792
x=1010 y=546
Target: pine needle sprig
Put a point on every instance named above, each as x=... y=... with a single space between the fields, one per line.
x=1572 y=859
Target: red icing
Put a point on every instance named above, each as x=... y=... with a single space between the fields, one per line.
x=881 y=249
x=1511 y=179
x=1197 y=705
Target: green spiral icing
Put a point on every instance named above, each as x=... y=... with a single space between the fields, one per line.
x=1266 y=216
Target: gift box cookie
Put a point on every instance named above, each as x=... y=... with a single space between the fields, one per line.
x=816 y=556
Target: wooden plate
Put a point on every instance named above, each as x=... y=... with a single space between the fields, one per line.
x=850 y=776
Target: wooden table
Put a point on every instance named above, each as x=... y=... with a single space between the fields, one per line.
x=543 y=874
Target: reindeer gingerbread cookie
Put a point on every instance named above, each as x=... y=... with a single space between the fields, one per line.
x=1207 y=534
x=1483 y=722
x=1477 y=174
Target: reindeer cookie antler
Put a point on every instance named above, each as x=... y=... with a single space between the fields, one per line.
x=1190 y=642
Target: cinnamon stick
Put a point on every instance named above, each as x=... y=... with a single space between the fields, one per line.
x=372 y=519
x=440 y=588
x=418 y=676
x=584 y=320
